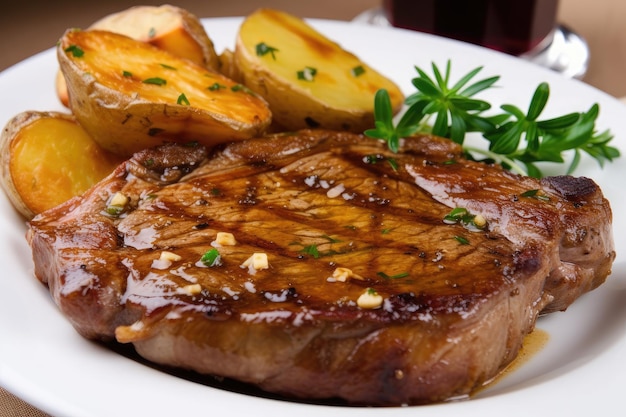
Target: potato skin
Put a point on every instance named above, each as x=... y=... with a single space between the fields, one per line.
x=167 y=27
x=46 y=159
x=340 y=95
x=127 y=95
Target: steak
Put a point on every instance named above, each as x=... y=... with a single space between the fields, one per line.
x=319 y=265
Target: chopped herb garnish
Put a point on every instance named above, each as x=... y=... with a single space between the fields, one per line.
x=374 y=158
x=307 y=74
x=127 y=73
x=155 y=81
x=331 y=239
x=535 y=194
x=393 y=163
x=311 y=250
x=458 y=214
x=168 y=67
x=358 y=70
x=114 y=210
x=211 y=258
x=464 y=217
x=182 y=99
x=371 y=159
x=386 y=231
x=396 y=276
x=263 y=49
x=529 y=193
x=117 y=204
x=517 y=139
x=241 y=87
x=151 y=33
x=76 y=51
x=462 y=240
x=216 y=86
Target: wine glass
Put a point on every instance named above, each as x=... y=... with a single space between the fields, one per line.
x=524 y=28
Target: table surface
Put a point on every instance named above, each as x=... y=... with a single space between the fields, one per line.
x=30 y=27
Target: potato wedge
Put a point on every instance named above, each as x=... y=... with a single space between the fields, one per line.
x=47 y=158
x=129 y=95
x=228 y=65
x=167 y=27
x=308 y=80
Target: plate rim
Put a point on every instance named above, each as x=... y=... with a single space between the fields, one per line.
x=24 y=389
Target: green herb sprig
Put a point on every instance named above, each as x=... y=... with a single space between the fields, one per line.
x=518 y=140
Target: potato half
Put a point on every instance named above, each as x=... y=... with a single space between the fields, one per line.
x=47 y=158
x=167 y=27
x=129 y=95
x=308 y=80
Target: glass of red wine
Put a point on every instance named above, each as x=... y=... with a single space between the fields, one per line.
x=524 y=28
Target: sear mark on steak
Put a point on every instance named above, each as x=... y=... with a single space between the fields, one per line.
x=166 y=164
x=446 y=304
x=572 y=188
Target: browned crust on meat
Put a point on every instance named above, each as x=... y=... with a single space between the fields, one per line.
x=455 y=315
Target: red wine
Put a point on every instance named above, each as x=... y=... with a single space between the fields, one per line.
x=511 y=26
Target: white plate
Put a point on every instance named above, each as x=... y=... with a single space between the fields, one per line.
x=581 y=370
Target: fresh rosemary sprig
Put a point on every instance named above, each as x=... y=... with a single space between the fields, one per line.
x=517 y=140
x=456 y=111
x=385 y=128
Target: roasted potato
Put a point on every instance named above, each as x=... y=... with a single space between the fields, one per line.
x=47 y=158
x=129 y=95
x=307 y=79
x=228 y=66
x=167 y=27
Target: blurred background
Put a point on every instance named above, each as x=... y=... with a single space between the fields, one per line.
x=30 y=27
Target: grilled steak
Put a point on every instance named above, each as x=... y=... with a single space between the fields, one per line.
x=390 y=279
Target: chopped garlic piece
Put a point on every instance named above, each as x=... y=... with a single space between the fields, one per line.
x=336 y=191
x=170 y=256
x=370 y=299
x=479 y=221
x=118 y=199
x=165 y=260
x=224 y=239
x=343 y=274
x=161 y=264
x=256 y=262
x=190 y=289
